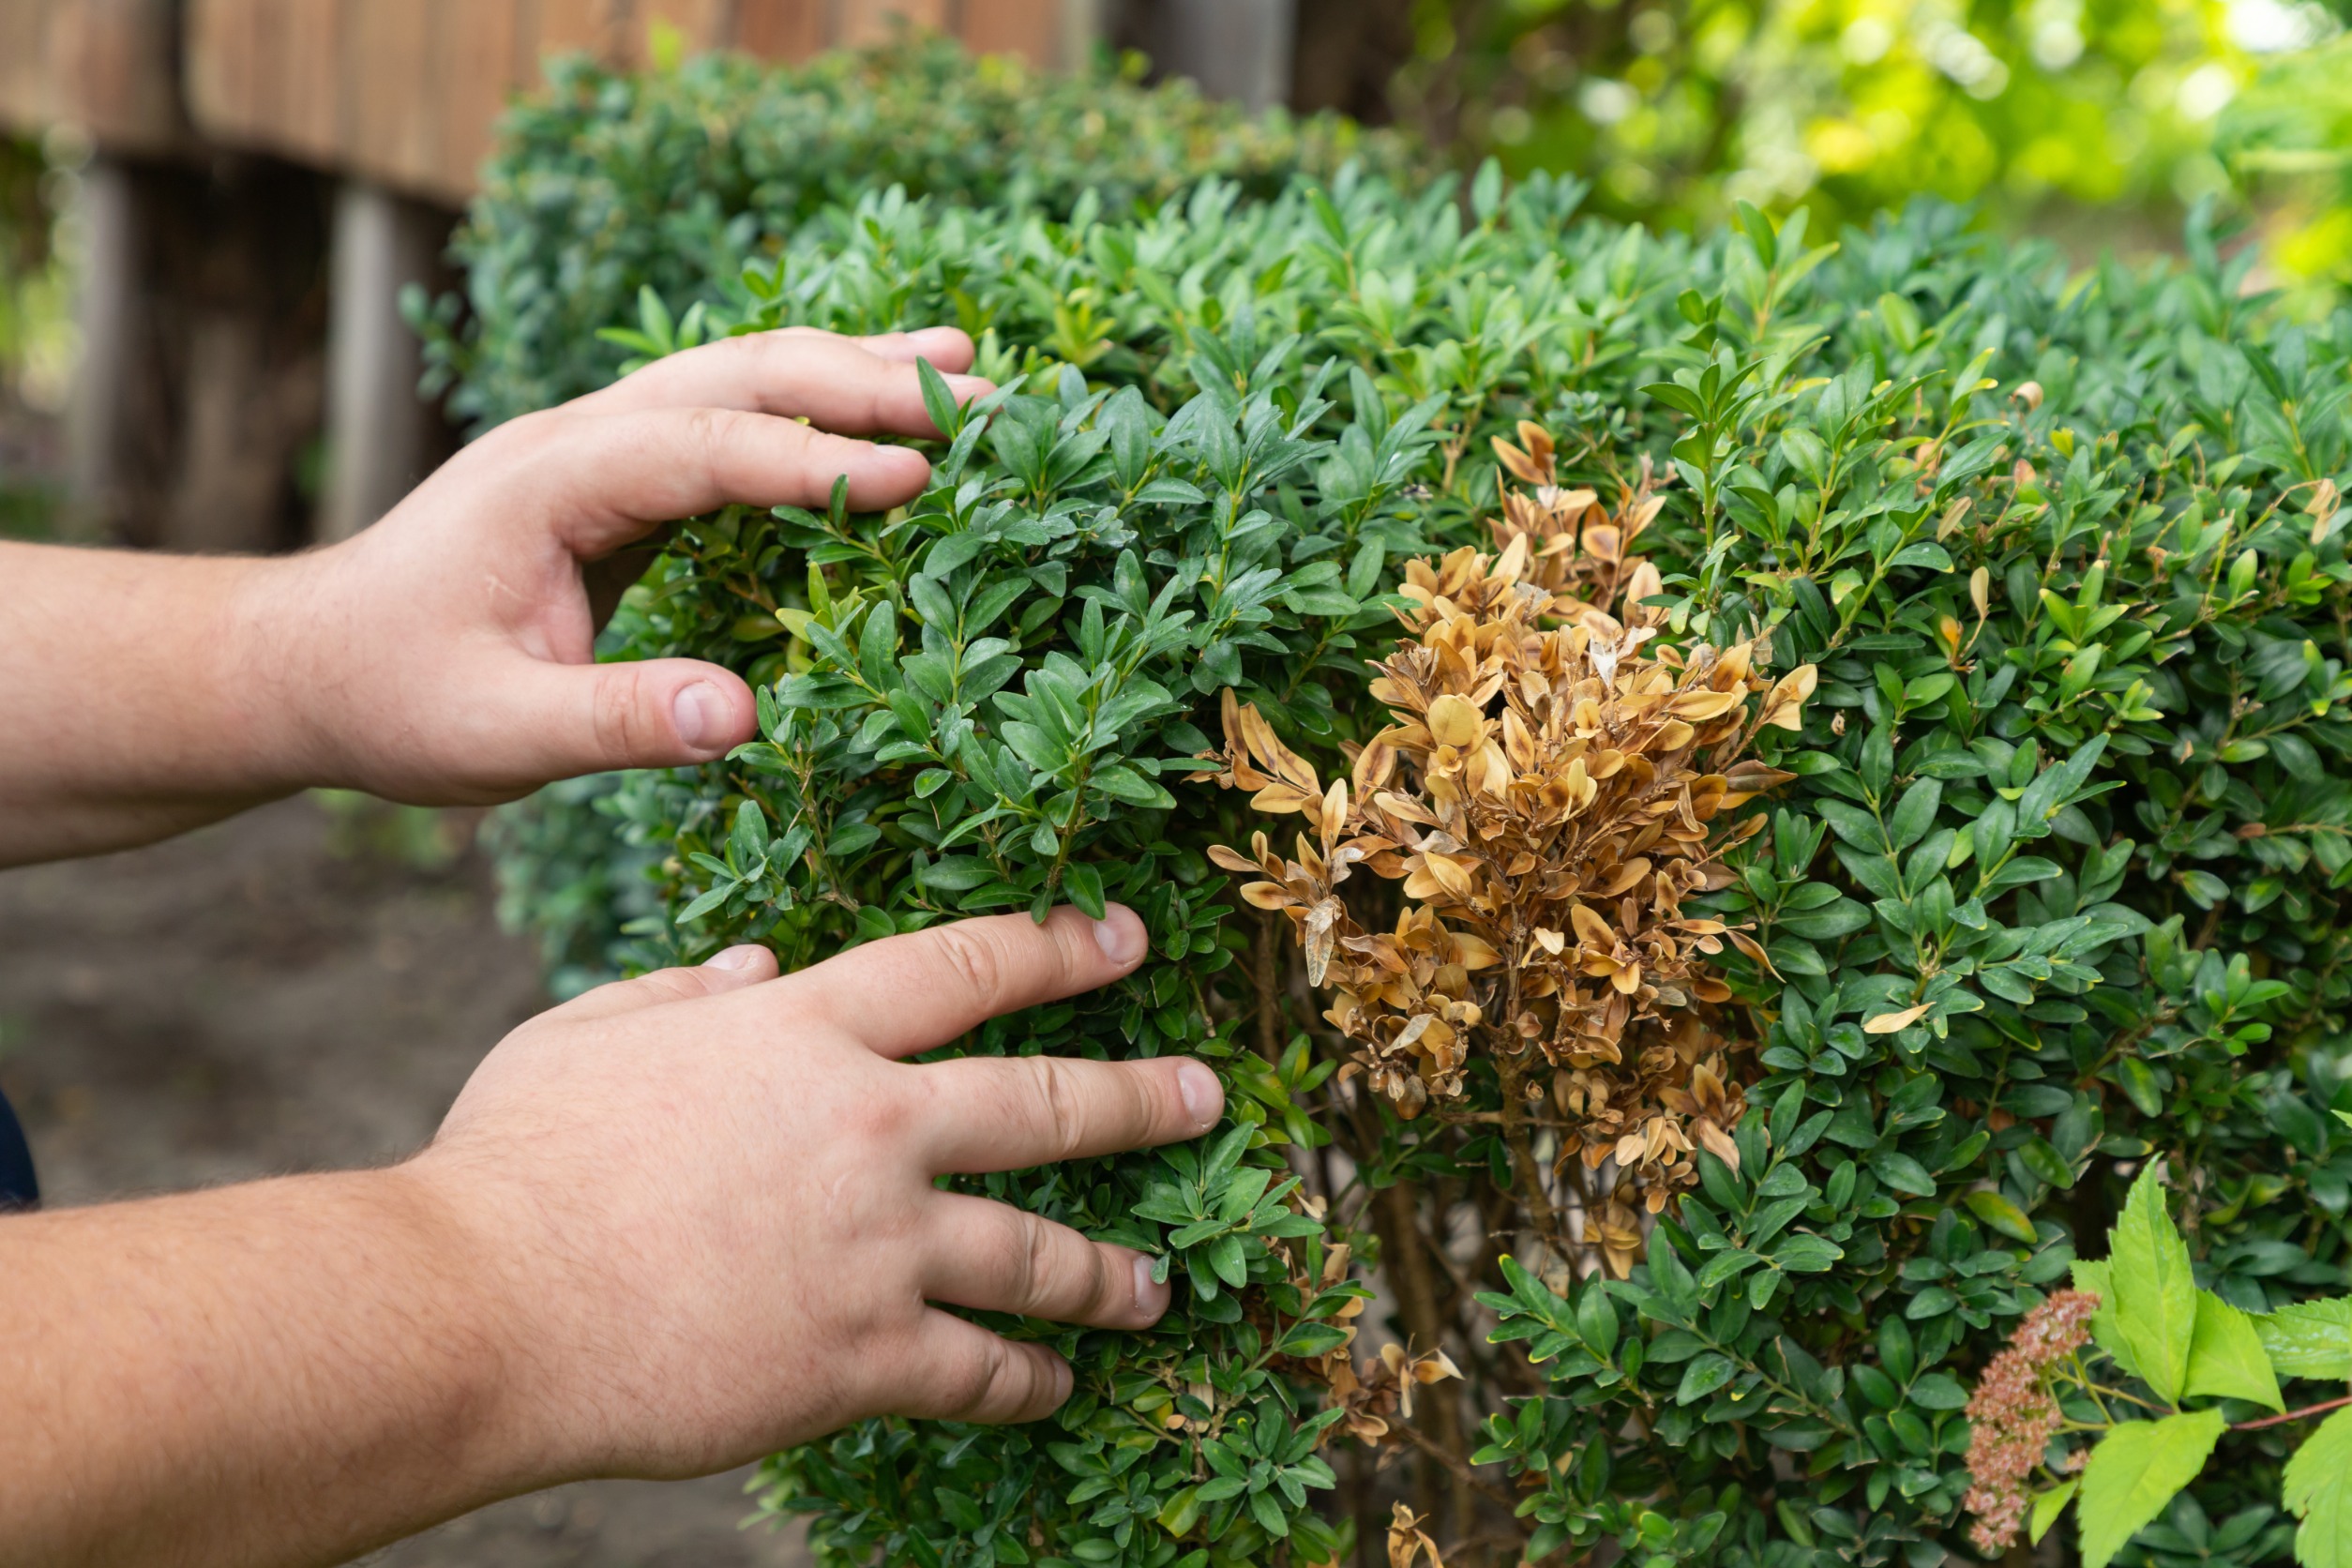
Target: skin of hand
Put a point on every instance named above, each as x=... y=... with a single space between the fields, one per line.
x=442 y=657
x=677 y=1223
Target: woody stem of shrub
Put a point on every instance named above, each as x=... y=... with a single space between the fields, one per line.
x=2281 y=1420
x=1266 y=978
x=1403 y=1253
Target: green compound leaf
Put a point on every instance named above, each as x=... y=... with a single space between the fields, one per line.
x=2227 y=1360
x=2311 y=1339
x=2047 y=1506
x=2093 y=1277
x=2155 y=1297
x=2133 y=1473
x=2318 y=1491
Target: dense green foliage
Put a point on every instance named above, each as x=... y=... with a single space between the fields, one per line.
x=2082 y=808
x=1675 y=107
x=675 y=178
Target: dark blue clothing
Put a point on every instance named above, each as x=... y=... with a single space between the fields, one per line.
x=18 y=1188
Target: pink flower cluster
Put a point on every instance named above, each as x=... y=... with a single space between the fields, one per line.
x=2012 y=1416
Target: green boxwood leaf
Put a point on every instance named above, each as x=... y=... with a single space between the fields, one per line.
x=2002 y=1214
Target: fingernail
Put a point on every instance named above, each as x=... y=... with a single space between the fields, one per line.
x=1064 y=1381
x=1204 y=1097
x=1120 y=935
x=699 y=712
x=735 y=958
x=1151 y=1295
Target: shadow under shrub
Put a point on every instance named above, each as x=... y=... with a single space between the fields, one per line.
x=2054 y=891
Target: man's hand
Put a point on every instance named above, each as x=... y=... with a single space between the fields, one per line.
x=678 y=1223
x=773 y=1246
x=444 y=656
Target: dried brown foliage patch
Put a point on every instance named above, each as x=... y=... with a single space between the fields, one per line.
x=1555 y=783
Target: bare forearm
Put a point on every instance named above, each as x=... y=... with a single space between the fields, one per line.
x=136 y=696
x=286 y=1373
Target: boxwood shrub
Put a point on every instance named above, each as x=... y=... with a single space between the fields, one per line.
x=609 y=182
x=2049 y=898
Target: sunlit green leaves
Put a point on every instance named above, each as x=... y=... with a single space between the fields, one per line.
x=2155 y=1293
x=2134 y=1473
x=2318 y=1491
x=2227 y=1359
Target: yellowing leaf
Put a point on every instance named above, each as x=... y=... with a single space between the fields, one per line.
x=1888 y=1024
x=2003 y=1215
x=1268 y=896
x=1452 y=721
x=1472 y=952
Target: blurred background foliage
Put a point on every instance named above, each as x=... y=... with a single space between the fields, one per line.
x=2096 y=121
x=35 y=334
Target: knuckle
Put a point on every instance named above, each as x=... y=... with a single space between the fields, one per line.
x=672 y=985
x=977 y=959
x=707 y=430
x=1028 y=1259
x=617 y=717
x=1060 y=1108
x=883 y=1118
x=966 y=1384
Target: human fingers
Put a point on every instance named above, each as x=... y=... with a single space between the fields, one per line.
x=603 y=480
x=960 y=1371
x=851 y=385
x=530 y=720
x=1011 y=1112
x=995 y=1258
x=731 y=970
x=909 y=993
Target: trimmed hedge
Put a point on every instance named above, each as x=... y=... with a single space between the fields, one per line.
x=609 y=182
x=2054 y=889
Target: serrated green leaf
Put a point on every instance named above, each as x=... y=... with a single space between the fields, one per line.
x=2318 y=1491
x=2309 y=1339
x=2155 y=1296
x=2090 y=1276
x=2047 y=1506
x=2227 y=1360
x=2134 y=1471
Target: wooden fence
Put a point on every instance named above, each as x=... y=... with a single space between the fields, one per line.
x=405 y=93
x=104 y=65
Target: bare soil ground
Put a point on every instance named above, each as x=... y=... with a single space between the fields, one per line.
x=300 y=990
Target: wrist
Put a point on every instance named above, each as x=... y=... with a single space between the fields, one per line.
x=278 y=696
x=506 y=1322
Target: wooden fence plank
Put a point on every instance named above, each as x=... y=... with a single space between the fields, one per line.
x=479 y=48
x=856 y=23
x=582 y=26
x=394 y=92
x=407 y=91
x=781 y=29
x=1029 y=28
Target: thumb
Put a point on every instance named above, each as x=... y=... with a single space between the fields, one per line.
x=647 y=713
